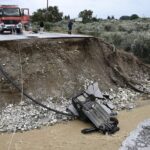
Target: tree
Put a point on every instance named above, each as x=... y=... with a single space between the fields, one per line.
x=86 y=15
x=125 y=18
x=112 y=17
x=134 y=16
x=51 y=15
x=94 y=19
x=66 y=17
x=108 y=18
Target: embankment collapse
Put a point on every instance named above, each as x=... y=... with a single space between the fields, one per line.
x=60 y=67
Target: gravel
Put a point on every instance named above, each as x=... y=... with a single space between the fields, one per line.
x=123 y=98
x=26 y=116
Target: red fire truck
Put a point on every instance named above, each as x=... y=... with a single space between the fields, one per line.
x=12 y=18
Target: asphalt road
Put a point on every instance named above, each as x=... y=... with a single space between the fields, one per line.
x=29 y=35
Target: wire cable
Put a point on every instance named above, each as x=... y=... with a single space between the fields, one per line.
x=21 y=72
x=28 y=96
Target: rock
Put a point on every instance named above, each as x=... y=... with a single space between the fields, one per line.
x=27 y=116
x=27 y=58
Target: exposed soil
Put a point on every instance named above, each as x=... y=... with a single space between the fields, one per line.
x=60 y=67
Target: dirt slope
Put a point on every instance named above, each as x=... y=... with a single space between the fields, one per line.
x=60 y=67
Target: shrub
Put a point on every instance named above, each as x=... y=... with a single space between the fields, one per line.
x=125 y=18
x=80 y=29
x=48 y=26
x=109 y=27
x=134 y=16
x=114 y=38
x=117 y=39
x=121 y=28
x=141 y=47
x=127 y=41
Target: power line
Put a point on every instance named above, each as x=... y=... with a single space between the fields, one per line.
x=28 y=96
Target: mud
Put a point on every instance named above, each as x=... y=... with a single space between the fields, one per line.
x=66 y=136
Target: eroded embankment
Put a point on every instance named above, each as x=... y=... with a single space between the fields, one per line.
x=61 y=67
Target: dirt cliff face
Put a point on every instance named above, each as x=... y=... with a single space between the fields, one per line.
x=61 y=67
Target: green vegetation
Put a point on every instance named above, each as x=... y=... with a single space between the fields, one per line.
x=86 y=15
x=129 y=33
x=132 y=17
x=51 y=15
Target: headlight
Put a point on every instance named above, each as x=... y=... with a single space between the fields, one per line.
x=2 y=24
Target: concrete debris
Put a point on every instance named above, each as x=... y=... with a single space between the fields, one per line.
x=123 y=98
x=139 y=139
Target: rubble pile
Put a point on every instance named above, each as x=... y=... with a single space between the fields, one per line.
x=138 y=139
x=143 y=79
x=26 y=116
x=123 y=98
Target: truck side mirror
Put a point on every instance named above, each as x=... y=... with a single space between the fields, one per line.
x=25 y=12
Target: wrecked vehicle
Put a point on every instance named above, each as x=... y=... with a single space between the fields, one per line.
x=13 y=18
x=92 y=106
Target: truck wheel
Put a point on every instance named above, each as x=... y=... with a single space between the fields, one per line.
x=19 y=31
x=1 y=32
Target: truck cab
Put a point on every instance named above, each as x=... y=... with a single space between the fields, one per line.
x=12 y=18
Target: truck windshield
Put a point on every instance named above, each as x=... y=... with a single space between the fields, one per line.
x=11 y=12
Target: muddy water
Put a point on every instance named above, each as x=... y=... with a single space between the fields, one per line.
x=67 y=136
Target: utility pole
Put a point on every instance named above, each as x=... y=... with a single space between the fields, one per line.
x=47 y=5
x=47 y=12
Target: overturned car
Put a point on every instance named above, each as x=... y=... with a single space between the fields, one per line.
x=93 y=106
